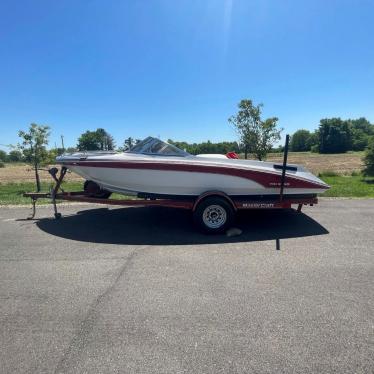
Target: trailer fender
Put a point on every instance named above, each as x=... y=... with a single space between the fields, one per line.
x=210 y=194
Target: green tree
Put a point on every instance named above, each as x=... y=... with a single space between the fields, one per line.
x=359 y=140
x=88 y=142
x=51 y=156
x=334 y=136
x=3 y=156
x=361 y=130
x=15 y=156
x=98 y=140
x=369 y=158
x=256 y=135
x=182 y=145
x=313 y=141
x=33 y=147
x=129 y=143
x=300 y=141
x=106 y=140
x=362 y=124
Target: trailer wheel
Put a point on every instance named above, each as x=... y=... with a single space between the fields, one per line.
x=214 y=215
x=92 y=189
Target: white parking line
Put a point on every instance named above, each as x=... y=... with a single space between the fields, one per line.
x=9 y=219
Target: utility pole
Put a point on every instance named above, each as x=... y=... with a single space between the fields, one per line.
x=62 y=141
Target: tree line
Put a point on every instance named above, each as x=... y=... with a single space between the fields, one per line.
x=334 y=135
x=258 y=136
x=207 y=147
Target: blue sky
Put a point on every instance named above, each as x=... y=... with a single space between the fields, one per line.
x=177 y=69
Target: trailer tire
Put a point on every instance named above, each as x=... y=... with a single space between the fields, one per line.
x=92 y=189
x=214 y=215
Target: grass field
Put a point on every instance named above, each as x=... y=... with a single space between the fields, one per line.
x=349 y=186
x=12 y=193
x=340 y=171
x=19 y=172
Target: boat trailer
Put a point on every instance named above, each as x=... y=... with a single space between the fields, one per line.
x=193 y=204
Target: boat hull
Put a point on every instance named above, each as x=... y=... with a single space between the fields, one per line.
x=149 y=180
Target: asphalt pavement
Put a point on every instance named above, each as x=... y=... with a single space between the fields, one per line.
x=138 y=290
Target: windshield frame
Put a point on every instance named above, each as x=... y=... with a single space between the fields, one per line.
x=145 y=146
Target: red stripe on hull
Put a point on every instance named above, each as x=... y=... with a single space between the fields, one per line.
x=266 y=179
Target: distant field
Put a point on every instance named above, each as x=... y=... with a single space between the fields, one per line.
x=17 y=172
x=344 y=164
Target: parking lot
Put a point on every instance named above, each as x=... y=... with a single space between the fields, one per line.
x=138 y=290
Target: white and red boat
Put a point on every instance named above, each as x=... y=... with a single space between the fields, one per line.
x=154 y=168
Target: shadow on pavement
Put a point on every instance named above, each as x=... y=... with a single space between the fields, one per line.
x=166 y=226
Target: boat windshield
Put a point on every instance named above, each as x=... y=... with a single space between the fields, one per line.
x=154 y=146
